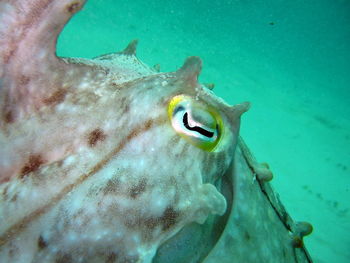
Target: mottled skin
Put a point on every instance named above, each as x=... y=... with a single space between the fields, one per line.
x=92 y=169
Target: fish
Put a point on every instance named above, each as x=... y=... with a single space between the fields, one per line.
x=111 y=160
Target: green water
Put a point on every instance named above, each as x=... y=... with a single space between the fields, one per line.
x=291 y=59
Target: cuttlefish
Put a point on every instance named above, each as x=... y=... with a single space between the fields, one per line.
x=110 y=160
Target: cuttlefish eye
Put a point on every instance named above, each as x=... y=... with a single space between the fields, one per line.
x=195 y=121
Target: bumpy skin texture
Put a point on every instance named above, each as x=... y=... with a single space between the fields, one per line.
x=92 y=169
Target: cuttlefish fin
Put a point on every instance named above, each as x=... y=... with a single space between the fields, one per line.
x=30 y=71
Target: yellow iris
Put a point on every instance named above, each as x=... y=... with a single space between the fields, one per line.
x=195 y=121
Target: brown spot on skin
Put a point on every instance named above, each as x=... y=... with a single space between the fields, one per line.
x=23 y=80
x=8 y=117
x=73 y=8
x=95 y=136
x=151 y=222
x=41 y=243
x=33 y=164
x=8 y=114
x=169 y=218
x=57 y=97
x=148 y=125
x=112 y=186
x=138 y=189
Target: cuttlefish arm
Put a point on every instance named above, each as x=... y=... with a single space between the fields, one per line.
x=258 y=228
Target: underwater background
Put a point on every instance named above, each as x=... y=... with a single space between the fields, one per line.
x=290 y=59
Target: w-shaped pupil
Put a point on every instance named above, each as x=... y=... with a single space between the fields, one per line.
x=196 y=128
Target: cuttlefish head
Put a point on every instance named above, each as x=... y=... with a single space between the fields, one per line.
x=167 y=171
x=165 y=155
